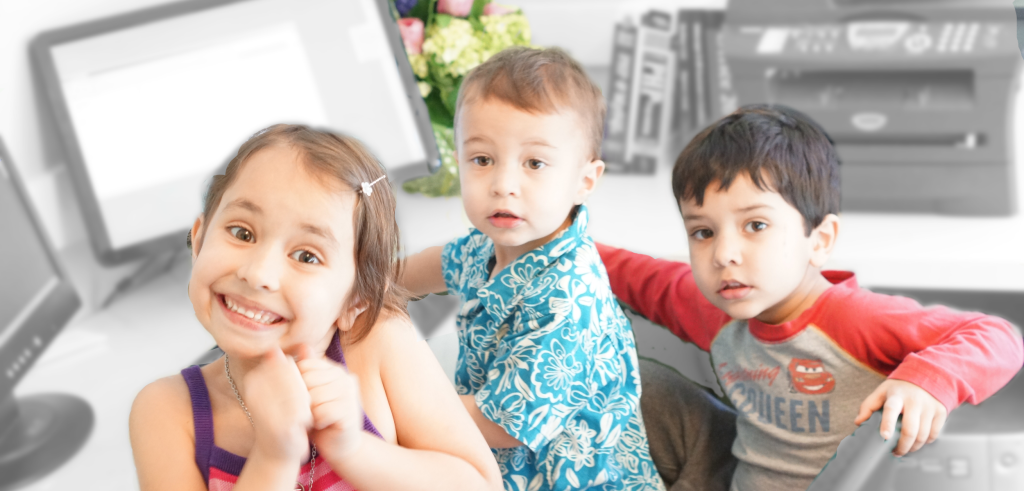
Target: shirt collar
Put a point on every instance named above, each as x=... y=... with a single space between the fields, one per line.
x=515 y=281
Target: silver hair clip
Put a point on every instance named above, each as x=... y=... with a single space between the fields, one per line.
x=367 y=187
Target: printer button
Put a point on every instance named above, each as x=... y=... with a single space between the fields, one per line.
x=1008 y=459
x=918 y=43
x=959 y=467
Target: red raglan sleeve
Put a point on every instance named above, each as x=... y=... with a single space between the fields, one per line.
x=665 y=293
x=956 y=356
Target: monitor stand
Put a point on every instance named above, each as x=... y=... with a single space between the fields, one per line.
x=46 y=430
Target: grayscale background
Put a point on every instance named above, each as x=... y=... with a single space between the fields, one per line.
x=106 y=354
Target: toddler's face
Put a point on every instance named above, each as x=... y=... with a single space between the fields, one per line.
x=276 y=261
x=522 y=173
x=748 y=251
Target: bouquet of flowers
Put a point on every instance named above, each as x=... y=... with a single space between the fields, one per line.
x=444 y=40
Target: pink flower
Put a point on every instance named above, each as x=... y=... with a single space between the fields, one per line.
x=411 y=29
x=458 y=8
x=498 y=9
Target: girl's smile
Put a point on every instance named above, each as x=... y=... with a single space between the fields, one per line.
x=248 y=314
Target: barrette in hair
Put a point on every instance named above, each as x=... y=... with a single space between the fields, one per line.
x=367 y=187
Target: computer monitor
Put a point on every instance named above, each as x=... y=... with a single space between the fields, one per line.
x=39 y=432
x=150 y=103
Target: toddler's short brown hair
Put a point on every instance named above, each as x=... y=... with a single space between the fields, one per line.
x=538 y=80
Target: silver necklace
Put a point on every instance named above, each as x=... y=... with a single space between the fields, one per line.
x=312 y=455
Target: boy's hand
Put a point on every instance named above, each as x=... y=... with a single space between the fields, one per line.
x=334 y=401
x=923 y=415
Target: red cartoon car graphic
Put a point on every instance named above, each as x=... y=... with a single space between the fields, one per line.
x=810 y=376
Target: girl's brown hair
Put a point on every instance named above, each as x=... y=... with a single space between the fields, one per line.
x=330 y=155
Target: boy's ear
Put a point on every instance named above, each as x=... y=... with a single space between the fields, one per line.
x=824 y=240
x=349 y=315
x=592 y=172
x=195 y=238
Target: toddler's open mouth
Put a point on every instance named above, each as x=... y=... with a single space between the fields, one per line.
x=504 y=219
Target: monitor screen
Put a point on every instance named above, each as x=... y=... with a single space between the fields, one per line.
x=156 y=101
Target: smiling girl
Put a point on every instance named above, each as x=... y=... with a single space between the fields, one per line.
x=323 y=384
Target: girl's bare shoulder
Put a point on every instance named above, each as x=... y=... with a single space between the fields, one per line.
x=166 y=399
x=391 y=333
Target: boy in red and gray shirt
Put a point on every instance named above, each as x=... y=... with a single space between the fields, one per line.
x=803 y=354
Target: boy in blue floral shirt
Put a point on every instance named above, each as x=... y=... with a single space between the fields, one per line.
x=547 y=362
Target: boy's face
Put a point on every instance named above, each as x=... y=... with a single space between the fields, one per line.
x=522 y=173
x=279 y=246
x=749 y=253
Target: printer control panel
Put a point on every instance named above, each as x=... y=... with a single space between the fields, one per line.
x=888 y=37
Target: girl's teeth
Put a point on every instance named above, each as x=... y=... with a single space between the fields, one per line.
x=261 y=317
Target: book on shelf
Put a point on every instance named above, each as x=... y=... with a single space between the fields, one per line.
x=646 y=112
x=618 y=96
x=669 y=80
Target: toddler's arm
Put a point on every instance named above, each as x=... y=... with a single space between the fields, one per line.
x=494 y=434
x=664 y=292
x=421 y=272
x=439 y=447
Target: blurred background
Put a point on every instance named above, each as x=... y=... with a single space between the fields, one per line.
x=113 y=121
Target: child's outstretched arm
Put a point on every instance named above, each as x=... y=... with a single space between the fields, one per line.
x=439 y=447
x=664 y=292
x=421 y=272
x=493 y=433
x=935 y=359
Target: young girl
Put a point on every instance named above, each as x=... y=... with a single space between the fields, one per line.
x=323 y=384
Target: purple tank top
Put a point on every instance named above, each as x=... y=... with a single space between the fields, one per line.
x=220 y=468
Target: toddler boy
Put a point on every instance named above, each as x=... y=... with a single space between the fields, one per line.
x=547 y=363
x=803 y=354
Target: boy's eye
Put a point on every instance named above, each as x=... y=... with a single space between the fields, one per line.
x=240 y=233
x=756 y=226
x=482 y=161
x=535 y=164
x=701 y=234
x=304 y=256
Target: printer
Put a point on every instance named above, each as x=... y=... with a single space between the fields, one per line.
x=915 y=94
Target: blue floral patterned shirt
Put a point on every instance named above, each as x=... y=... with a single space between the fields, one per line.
x=551 y=358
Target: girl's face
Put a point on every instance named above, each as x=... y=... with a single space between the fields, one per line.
x=276 y=262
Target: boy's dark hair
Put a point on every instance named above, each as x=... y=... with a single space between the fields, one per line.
x=781 y=149
x=538 y=81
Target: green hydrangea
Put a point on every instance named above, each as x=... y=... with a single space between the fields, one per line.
x=419 y=65
x=503 y=31
x=455 y=48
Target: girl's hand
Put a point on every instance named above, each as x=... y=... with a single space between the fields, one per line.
x=279 y=403
x=923 y=414
x=334 y=398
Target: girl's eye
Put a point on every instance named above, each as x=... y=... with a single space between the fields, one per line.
x=535 y=164
x=701 y=234
x=307 y=257
x=240 y=233
x=756 y=226
x=481 y=161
